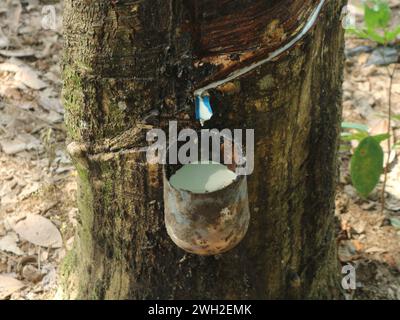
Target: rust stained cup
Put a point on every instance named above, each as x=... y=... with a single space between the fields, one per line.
x=206 y=223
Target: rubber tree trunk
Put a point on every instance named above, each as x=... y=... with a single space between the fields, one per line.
x=130 y=66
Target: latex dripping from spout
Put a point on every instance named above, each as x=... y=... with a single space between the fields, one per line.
x=203 y=108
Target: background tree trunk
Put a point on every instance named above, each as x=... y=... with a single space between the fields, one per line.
x=132 y=65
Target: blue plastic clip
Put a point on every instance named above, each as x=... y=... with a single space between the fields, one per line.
x=203 y=109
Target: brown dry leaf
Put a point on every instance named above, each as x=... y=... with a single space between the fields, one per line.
x=27 y=52
x=27 y=191
x=391 y=260
x=359 y=226
x=9 y=285
x=39 y=231
x=14 y=14
x=23 y=141
x=357 y=245
x=23 y=74
x=4 y=42
x=50 y=104
x=345 y=226
x=9 y=243
x=375 y=250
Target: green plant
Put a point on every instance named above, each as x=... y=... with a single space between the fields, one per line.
x=377 y=20
x=367 y=163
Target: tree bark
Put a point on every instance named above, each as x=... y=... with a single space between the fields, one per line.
x=132 y=65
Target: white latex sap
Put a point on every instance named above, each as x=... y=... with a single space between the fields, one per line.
x=202 y=177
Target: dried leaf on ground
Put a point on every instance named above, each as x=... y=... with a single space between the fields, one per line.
x=26 y=52
x=9 y=243
x=50 y=104
x=28 y=190
x=4 y=42
x=23 y=74
x=9 y=285
x=39 y=231
x=23 y=141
